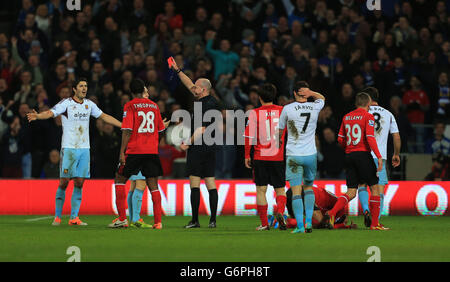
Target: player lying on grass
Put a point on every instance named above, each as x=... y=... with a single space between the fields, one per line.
x=324 y=201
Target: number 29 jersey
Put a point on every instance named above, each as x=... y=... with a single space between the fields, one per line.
x=143 y=118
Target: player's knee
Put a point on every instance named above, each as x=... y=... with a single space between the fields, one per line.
x=119 y=179
x=63 y=184
x=351 y=193
x=78 y=183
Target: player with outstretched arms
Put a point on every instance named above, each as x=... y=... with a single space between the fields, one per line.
x=268 y=165
x=356 y=136
x=384 y=124
x=75 y=156
x=300 y=119
x=141 y=125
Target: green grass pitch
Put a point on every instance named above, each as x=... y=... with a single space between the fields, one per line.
x=31 y=238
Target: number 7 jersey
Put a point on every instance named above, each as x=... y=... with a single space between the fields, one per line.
x=143 y=118
x=300 y=119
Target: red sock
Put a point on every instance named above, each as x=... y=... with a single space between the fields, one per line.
x=121 y=201
x=340 y=213
x=281 y=204
x=374 y=206
x=291 y=223
x=156 y=199
x=262 y=211
x=340 y=204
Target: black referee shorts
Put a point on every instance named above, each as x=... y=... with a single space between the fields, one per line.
x=269 y=173
x=360 y=169
x=148 y=164
x=201 y=163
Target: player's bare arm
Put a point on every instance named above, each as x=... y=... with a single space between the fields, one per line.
x=35 y=116
x=309 y=93
x=126 y=135
x=397 y=147
x=183 y=77
x=111 y=120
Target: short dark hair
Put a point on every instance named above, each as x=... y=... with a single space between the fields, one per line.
x=373 y=93
x=137 y=86
x=362 y=99
x=78 y=80
x=267 y=92
x=300 y=84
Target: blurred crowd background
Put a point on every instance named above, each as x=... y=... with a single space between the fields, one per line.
x=338 y=47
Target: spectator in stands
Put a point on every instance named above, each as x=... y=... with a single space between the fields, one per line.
x=444 y=96
x=168 y=154
x=107 y=145
x=417 y=103
x=440 y=171
x=331 y=61
x=225 y=61
x=439 y=143
x=51 y=167
x=12 y=150
x=332 y=166
x=174 y=20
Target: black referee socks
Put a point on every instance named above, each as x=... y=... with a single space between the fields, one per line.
x=213 y=200
x=195 y=203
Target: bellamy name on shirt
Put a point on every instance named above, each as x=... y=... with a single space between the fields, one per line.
x=354 y=118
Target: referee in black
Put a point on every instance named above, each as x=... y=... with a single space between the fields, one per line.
x=201 y=159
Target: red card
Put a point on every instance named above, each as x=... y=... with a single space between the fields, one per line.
x=170 y=61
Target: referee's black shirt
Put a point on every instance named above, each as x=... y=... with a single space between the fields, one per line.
x=208 y=103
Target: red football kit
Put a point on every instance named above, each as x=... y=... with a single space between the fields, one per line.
x=357 y=132
x=143 y=117
x=357 y=135
x=262 y=132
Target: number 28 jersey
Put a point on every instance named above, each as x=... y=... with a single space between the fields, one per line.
x=143 y=118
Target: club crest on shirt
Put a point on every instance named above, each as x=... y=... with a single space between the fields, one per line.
x=86 y=106
x=125 y=114
x=66 y=171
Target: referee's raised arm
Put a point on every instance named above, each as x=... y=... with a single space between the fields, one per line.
x=183 y=77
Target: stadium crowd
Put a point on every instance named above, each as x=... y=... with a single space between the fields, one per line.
x=338 y=47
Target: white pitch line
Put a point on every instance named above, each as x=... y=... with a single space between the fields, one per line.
x=39 y=218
